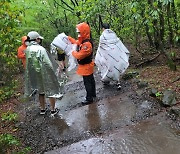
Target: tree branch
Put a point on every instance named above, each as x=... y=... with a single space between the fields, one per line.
x=63 y=6
x=76 y=2
x=65 y=17
x=67 y=5
x=73 y=3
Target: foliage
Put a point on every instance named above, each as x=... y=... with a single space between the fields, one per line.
x=9 y=34
x=46 y=17
x=7 y=141
x=112 y=12
x=158 y=94
x=8 y=116
x=7 y=91
x=155 y=22
x=24 y=151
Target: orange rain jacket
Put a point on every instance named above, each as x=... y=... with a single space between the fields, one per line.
x=85 y=49
x=21 y=54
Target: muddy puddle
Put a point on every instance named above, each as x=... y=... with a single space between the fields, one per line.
x=106 y=127
x=152 y=136
x=102 y=115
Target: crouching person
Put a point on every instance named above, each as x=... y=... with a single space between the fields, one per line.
x=40 y=74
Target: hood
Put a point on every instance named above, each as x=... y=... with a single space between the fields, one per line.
x=23 y=39
x=84 y=30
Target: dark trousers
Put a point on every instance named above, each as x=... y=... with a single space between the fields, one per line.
x=90 y=87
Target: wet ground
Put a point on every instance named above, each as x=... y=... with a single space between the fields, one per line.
x=118 y=122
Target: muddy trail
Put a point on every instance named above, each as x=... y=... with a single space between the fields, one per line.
x=119 y=121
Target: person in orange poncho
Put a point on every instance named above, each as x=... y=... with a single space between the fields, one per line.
x=21 y=54
x=84 y=54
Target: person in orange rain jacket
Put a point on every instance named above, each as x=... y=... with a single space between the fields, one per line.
x=21 y=54
x=84 y=55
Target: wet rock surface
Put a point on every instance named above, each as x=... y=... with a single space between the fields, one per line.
x=119 y=121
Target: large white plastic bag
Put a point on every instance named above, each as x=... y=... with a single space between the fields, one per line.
x=61 y=41
x=72 y=62
x=111 y=57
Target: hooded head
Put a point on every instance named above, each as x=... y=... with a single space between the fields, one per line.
x=23 y=39
x=83 y=30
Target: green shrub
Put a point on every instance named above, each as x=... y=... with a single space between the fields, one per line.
x=7 y=141
x=7 y=91
x=8 y=116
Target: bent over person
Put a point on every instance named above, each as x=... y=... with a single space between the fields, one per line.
x=40 y=74
x=84 y=54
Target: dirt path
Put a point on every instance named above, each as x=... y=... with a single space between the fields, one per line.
x=113 y=112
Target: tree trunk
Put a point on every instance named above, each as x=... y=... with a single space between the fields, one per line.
x=175 y=16
x=156 y=34
x=169 y=25
x=161 y=21
x=149 y=35
x=155 y=27
x=135 y=34
x=147 y=30
x=100 y=24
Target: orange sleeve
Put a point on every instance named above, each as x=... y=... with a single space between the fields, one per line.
x=86 y=50
x=72 y=40
x=21 y=54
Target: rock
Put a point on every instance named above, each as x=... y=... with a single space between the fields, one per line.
x=175 y=110
x=142 y=84
x=130 y=75
x=169 y=98
x=153 y=92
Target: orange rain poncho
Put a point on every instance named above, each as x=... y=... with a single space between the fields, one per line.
x=21 y=54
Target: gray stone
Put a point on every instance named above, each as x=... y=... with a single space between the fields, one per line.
x=142 y=84
x=169 y=98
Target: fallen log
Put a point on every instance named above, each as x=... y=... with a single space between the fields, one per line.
x=148 y=60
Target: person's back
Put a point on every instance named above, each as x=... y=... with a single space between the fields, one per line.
x=40 y=72
x=112 y=57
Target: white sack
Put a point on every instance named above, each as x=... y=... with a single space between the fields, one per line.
x=53 y=51
x=111 y=57
x=61 y=41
